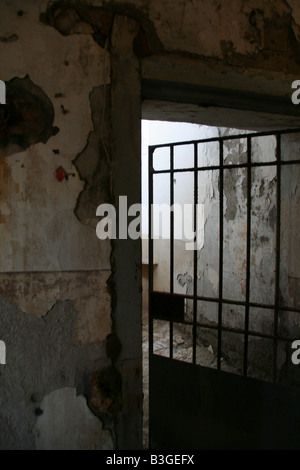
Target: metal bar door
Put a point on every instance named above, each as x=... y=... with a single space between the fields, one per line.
x=235 y=306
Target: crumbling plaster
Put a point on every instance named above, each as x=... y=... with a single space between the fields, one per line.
x=67 y=424
x=39 y=229
x=257 y=34
x=66 y=77
x=240 y=33
x=63 y=68
x=52 y=265
x=42 y=358
x=37 y=294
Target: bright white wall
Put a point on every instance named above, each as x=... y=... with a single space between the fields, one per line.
x=161 y=132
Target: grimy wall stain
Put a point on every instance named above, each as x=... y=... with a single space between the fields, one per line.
x=55 y=301
x=94 y=162
x=27 y=118
x=43 y=358
x=55 y=59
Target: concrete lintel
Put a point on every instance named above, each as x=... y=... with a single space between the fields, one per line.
x=214 y=75
x=208 y=96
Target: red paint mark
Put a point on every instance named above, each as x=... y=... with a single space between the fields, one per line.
x=60 y=173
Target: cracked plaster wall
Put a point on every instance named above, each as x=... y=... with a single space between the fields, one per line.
x=50 y=259
x=55 y=301
x=242 y=33
x=256 y=33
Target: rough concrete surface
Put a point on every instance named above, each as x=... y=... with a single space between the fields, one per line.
x=66 y=423
x=41 y=357
x=37 y=294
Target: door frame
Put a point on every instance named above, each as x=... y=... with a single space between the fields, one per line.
x=130 y=97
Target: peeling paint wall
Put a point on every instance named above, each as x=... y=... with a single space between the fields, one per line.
x=43 y=357
x=257 y=33
x=55 y=298
x=57 y=314
x=71 y=426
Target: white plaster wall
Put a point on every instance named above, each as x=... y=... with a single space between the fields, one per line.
x=38 y=228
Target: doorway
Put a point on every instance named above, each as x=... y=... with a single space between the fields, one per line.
x=207 y=318
x=157 y=132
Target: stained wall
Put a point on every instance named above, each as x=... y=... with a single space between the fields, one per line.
x=70 y=303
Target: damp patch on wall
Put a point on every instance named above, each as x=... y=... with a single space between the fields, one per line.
x=26 y=118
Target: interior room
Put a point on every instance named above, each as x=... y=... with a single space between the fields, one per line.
x=184 y=337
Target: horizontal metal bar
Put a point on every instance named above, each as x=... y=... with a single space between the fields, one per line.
x=236 y=302
x=226 y=137
x=228 y=166
x=231 y=330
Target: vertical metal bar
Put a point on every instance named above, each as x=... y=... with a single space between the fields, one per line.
x=277 y=265
x=221 y=233
x=248 y=254
x=171 y=238
x=171 y=219
x=150 y=246
x=195 y=227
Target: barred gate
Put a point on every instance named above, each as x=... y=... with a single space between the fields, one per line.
x=234 y=297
